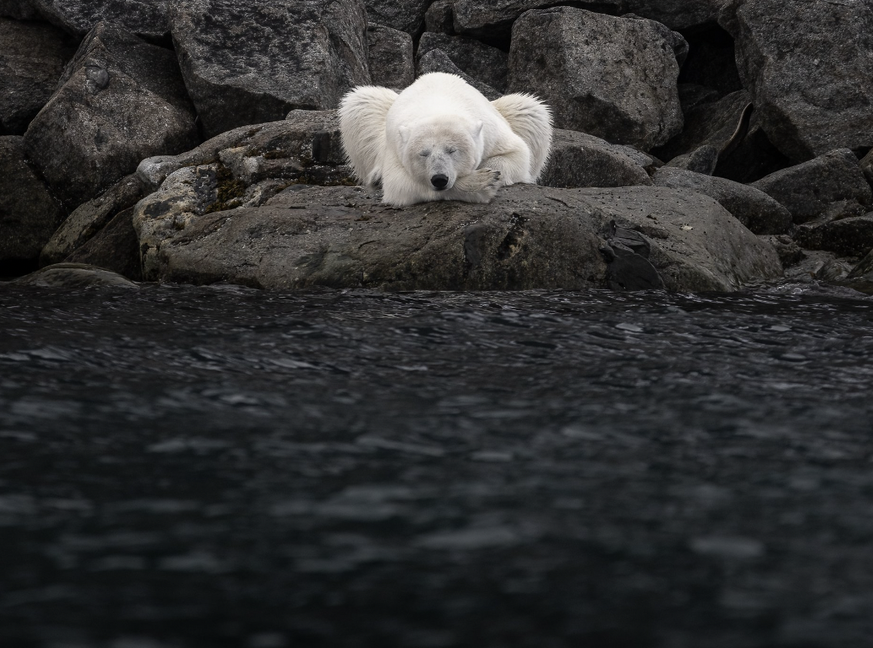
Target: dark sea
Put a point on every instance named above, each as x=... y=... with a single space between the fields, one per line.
x=221 y=467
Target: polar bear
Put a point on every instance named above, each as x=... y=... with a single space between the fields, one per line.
x=441 y=139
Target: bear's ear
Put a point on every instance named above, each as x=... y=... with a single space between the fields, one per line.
x=403 y=131
x=478 y=131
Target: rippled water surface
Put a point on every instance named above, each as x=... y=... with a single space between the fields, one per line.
x=220 y=466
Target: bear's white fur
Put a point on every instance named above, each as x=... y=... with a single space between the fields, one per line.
x=441 y=139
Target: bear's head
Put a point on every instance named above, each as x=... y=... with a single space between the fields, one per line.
x=439 y=151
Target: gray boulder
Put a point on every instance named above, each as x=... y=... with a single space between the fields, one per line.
x=436 y=60
x=808 y=67
x=78 y=17
x=850 y=237
x=831 y=184
x=390 y=57
x=582 y=160
x=486 y=64
x=612 y=77
x=32 y=57
x=752 y=207
x=407 y=16
x=90 y=218
x=119 y=100
x=28 y=212
x=249 y=63
x=528 y=237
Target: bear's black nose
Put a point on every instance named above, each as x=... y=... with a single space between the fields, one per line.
x=439 y=181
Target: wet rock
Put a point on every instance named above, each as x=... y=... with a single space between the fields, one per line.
x=752 y=207
x=88 y=219
x=846 y=236
x=257 y=161
x=529 y=237
x=808 y=67
x=582 y=160
x=407 y=16
x=248 y=63
x=440 y=17
x=141 y=17
x=28 y=212
x=390 y=57
x=436 y=60
x=115 y=248
x=812 y=188
x=120 y=100
x=32 y=57
x=790 y=253
x=486 y=64
x=74 y=275
x=611 y=77
x=627 y=261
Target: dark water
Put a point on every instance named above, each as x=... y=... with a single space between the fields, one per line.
x=222 y=467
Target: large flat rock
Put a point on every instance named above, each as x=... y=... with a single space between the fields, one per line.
x=528 y=237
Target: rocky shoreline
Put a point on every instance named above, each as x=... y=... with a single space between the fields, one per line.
x=696 y=149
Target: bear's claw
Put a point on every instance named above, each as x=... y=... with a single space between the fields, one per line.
x=482 y=184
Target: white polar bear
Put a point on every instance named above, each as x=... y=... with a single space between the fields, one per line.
x=441 y=139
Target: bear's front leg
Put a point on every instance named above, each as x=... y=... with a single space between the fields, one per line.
x=479 y=186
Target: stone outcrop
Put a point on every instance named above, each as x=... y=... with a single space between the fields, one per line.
x=119 y=100
x=247 y=63
x=305 y=148
x=807 y=66
x=625 y=92
x=529 y=237
x=759 y=109
x=32 y=57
